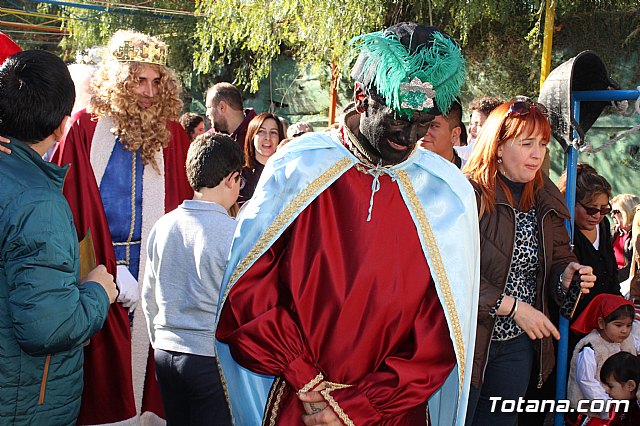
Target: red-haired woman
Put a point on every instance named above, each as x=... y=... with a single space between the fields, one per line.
x=264 y=133
x=525 y=260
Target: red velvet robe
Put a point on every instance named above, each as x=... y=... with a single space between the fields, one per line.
x=108 y=391
x=350 y=299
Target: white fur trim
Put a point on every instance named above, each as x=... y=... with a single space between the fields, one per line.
x=146 y=419
x=102 y=146
x=152 y=210
x=151 y=419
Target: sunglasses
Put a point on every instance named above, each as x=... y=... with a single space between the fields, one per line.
x=522 y=106
x=615 y=211
x=593 y=210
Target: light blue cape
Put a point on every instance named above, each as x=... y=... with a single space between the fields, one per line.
x=443 y=206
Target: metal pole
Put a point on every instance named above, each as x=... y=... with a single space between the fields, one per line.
x=570 y=196
x=572 y=168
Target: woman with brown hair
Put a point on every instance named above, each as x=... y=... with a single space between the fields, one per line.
x=264 y=133
x=525 y=260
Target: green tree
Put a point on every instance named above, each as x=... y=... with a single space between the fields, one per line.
x=238 y=39
x=171 y=20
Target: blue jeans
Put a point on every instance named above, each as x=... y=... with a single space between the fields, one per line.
x=191 y=389
x=507 y=376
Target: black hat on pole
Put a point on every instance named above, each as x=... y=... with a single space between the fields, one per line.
x=584 y=72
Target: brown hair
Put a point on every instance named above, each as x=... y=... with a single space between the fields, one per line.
x=482 y=166
x=225 y=92
x=485 y=104
x=113 y=96
x=252 y=130
x=189 y=121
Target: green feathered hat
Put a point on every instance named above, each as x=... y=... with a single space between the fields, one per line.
x=414 y=67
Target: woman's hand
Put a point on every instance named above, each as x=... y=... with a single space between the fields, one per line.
x=587 y=279
x=2 y=147
x=534 y=323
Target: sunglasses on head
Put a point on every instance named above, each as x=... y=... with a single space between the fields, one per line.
x=593 y=210
x=521 y=106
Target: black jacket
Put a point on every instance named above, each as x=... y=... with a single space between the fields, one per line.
x=603 y=262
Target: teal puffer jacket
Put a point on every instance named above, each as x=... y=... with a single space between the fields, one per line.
x=45 y=315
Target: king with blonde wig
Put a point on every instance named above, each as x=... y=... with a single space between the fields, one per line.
x=128 y=156
x=127 y=56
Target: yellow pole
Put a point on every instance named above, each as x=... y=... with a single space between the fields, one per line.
x=547 y=43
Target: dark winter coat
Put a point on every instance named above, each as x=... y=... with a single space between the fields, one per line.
x=497 y=236
x=45 y=315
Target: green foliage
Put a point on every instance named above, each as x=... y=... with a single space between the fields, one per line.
x=315 y=33
x=238 y=40
x=91 y=28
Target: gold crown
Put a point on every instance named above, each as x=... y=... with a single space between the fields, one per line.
x=141 y=51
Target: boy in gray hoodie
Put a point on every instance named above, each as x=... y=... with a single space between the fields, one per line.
x=187 y=254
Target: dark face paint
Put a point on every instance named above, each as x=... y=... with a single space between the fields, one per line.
x=389 y=136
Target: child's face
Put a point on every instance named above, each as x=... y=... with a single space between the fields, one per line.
x=615 y=331
x=617 y=390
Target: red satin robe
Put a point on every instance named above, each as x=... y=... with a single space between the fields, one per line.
x=350 y=299
x=108 y=390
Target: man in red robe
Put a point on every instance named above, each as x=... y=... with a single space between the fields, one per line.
x=353 y=278
x=127 y=157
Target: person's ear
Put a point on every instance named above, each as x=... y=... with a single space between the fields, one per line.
x=630 y=385
x=601 y=323
x=223 y=106
x=229 y=180
x=455 y=135
x=360 y=97
x=59 y=132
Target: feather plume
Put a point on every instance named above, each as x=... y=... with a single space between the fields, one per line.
x=385 y=63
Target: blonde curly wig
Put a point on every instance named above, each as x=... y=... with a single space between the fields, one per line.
x=113 y=95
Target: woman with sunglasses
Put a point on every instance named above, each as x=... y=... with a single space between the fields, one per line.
x=623 y=210
x=593 y=244
x=525 y=260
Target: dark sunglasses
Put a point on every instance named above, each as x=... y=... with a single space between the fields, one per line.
x=615 y=211
x=592 y=210
x=522 y=105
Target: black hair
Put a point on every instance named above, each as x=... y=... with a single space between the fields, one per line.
x=211 y=158
x=36 y=94
x=623 y=366
x=464 y=137
x=189 y=121
x=454 y=115
x=623 y=312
